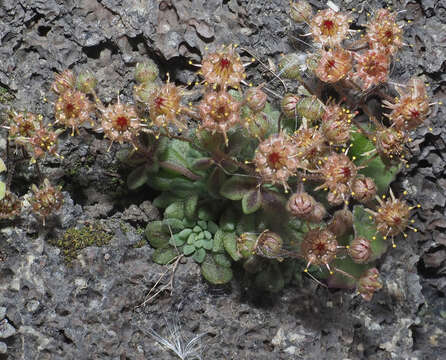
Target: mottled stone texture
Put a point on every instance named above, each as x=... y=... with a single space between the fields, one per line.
x=49 y=310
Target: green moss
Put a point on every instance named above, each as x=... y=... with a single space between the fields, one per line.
x=140 y=243
x=76 y=239
x=5 y=95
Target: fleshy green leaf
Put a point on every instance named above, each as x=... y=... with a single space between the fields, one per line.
x=137 y=178
x=156 y=234
x=173 y=225
x=252 y=201
x=164 y=256
x=364 y=226
x=375 y=169
x=164 y=200
x=230 y=244
x=215 y=182
x=175 y=240
x=215 y=273
x=202 y=164
x=222 y=260
x=175 y=211
x=2 y=166
x=188 y=249
x=190 y=206
x=175 y=153
x=218 y=241
x=236 y=187
x=199 y=255
x=207 y=244
x=2 y=189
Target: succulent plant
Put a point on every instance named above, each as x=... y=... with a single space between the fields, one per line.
x=282 y=189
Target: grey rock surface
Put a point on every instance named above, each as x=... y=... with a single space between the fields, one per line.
x=91 y=309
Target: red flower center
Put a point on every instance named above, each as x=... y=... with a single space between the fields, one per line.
x=331 y=63
x=69 y=110
x=396 y=220
x=122 y=122
x=328 y=25
x=346 y=171
x=224 y=63
x=159 y=101
x=414 y=113
x=389 y=34
x=274 y=159
x=320 y=247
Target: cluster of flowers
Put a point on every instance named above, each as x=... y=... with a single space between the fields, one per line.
x=310 y=153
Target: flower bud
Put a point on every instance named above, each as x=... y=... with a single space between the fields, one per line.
x=86 y=82
x=369 y=283
x=301 y=11
x=301 y=204
x=317 y=214
x=146 y=71
x=311 y=108
x=46 y=199
x=63 y=82
x=363 y=189
x=291 y=66
x=269 y=245
x=289 y=104
x=10 y=206
x=341 y=223
x=245 y=244
x=360 y=250
x=255 y=98
x=338 y=194
x=143 y=92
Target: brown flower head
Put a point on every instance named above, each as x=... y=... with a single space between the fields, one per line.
x=383 y=32
x=10 y=206
x=44 y=141
x=64 y=81
x=369 y=283
x=269 y=245
x=300 y=11
x=72 y=109
x=372 y=67
x=333 y=65
x=412 y=108
x=360 y=250
x=390 y=143
x=223 y=68
x=338 y=171
x=310 y=144
x=336 y=124
x=120 y=123
x=276 y=159
x=46 y=199
x=23 y=125
x=392 y=216
x=219 y=112
x=319 y=247
x=165 y=106
x=329 y=27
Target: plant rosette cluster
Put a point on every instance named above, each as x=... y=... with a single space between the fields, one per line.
x=282 y=192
